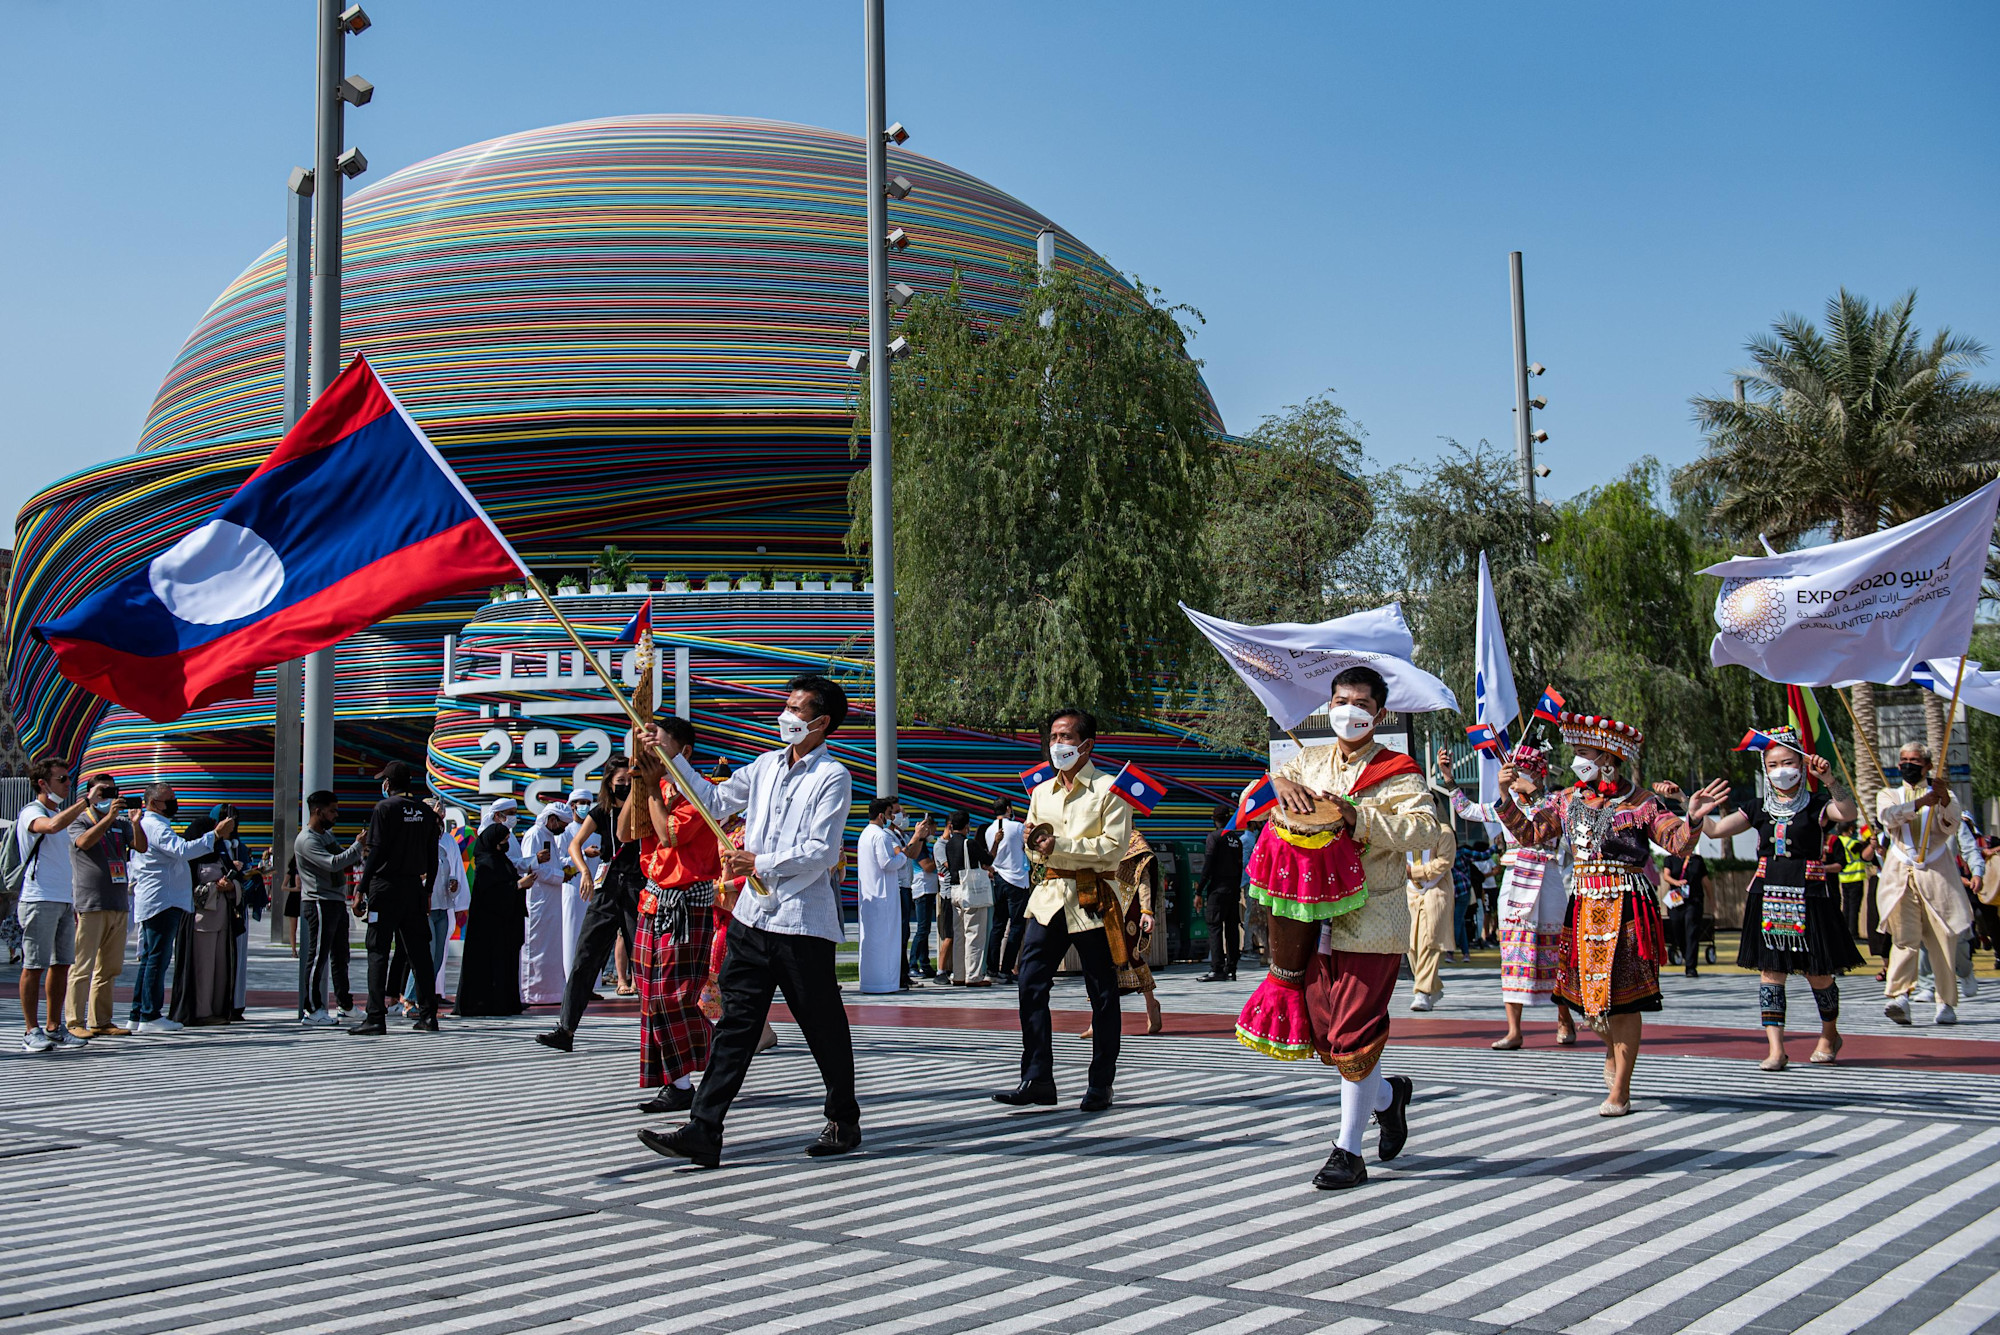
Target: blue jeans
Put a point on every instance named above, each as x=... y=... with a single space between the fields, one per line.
x=1461 y=914
x=923 y=915
x=156 y=960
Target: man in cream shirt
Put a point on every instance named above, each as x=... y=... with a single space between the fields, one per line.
x=1078 y=828
x=1922 y=906
x=1429 y=897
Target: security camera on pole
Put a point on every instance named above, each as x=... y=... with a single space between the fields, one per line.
x=1526 y=437
x=331 y=165
x=882 y=349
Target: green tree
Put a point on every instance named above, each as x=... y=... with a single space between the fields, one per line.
x=1289 y=504
x=1846 y=429
x=1053 y=470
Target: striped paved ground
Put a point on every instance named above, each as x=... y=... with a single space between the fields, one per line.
x=268 y=1179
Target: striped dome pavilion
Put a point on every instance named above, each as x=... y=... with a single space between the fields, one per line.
x=629 y=331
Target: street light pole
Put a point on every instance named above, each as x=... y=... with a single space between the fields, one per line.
x=1524 y=442
x=330 y=166
x=881 y=532
x=286 y=793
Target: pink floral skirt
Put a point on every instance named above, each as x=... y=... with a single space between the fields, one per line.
x=1307 y=877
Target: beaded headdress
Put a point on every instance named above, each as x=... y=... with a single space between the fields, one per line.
x=1606 y=734
x=1530 y=760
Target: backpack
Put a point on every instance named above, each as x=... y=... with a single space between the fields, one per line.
x=14 y=867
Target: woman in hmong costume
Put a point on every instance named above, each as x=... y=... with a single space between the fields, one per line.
x=1791 y=918
x=1614 y=942
x=1138 y=907
x=1533 y=899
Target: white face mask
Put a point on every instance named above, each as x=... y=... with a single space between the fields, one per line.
x=1585 y=770
x=1784 y=777
x=1351 y=722
x=792 y=729
x=1064 y=756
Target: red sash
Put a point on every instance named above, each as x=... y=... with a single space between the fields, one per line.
x=1387 y=764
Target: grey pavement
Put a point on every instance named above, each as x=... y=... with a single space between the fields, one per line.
x=268 y=1178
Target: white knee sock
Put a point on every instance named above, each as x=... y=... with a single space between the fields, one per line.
x=1359 y=1102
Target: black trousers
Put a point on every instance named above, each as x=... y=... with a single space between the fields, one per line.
x=1224 y=913
x=398 y=926
x=613 y=908
x=1004 y=937
x=1853 y=896
x=322 y=944
x=1042 y=952
x=758 y=964
x=1684 y=930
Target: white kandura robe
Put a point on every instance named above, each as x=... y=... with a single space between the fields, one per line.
x=542 y=955
x=573 y=904
x=881 y=905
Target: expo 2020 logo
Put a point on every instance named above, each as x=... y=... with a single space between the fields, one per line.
x=1751 y=609
x=1259 y=662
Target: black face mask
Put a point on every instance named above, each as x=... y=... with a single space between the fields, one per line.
x=621 y=791
x=171 y=807
x=1913 y=771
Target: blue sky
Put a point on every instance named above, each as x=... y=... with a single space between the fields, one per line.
x=1335 y=186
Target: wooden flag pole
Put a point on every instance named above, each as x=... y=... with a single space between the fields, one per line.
x=1943 y=762
x=638 y=729
x=1867 y=742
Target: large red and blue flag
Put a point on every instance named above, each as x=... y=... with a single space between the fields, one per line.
x=1139 y=788
x=1040 y=774
x=354 y=517
x=1255 y=802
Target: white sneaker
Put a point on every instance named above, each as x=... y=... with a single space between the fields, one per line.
x=36 y=1040
x=62 y=1040
x=1923 y=994
x=166 y=1026
x=1897 y=1010
x=1421 y=1001
x=319 y=1019
x=1968 y=987
x=1946 y=1015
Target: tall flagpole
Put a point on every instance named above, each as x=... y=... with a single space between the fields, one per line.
x=1943 y=762
x=287 y=792
x=881 y=531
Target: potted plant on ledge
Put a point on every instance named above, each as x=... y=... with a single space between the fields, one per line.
x=612 y=570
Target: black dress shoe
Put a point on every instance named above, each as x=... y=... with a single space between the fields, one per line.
x=370 y=1027
x=1213 y=977
x=558 y=1038
x=425 y=1024
x=1040 y=1093
x=684 y=1142
x=671 y=1099
x=836 y=1138
x=1095 y=1100
x=1341 y=1171
x=1394 y=1119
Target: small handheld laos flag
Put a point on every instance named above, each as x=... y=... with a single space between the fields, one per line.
x=1139 y=788
x=1484 y=739
x=1256 y=802
x=1040 y=774
x=1753 y=740
x=353 y=518
x=1550 y=705
x=640 y=628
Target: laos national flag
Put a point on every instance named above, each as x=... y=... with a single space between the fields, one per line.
x=1256 y=802
x=1139 y=788
x=1485 y=739
x=1550 y=705
x=639 y=630
x=1032 y=779
x=353 y=518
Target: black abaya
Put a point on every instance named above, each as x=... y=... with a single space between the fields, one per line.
x=489 y=973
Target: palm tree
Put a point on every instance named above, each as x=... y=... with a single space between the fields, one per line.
x=1845 y=430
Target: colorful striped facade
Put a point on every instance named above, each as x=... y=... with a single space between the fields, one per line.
x=628 y=331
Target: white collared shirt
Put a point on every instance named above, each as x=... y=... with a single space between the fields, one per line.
x=1005 y=839
x=879 y=859
x=160 y=876
x=795 y=821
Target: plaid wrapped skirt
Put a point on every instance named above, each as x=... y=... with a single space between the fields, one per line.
x=670 y=964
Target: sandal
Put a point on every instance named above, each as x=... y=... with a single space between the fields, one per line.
x=1565 y=1035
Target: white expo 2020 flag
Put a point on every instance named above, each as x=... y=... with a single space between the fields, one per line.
x=1868 y=609
x=1290 y=665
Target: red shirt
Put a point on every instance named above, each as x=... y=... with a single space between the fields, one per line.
x=694 y=855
